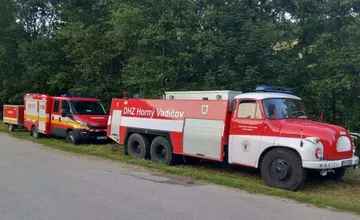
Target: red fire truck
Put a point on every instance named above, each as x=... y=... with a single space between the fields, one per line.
x=75 y=117
x=266 y=129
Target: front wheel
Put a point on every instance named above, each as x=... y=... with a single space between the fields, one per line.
x=338 y=174
x=282 y=168
x=70 y=137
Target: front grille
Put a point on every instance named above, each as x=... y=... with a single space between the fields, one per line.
x=97 y=128
x=343 y=144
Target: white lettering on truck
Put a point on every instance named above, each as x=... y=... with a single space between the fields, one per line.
x=169 y=113
x=172 y=113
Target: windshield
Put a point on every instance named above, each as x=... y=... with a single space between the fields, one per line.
x=88 y=108
x=283 y=108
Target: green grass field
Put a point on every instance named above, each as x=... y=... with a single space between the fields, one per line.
x=343 y=196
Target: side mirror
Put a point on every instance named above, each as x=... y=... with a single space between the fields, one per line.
x=65 y=113
x=232 y=106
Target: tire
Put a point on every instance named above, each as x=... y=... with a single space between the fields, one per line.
x=161 y=151
x=138 y=146
x=293 y=175
x=339 y=174
x=35 y=133
x=11 y=128
x=70 y=137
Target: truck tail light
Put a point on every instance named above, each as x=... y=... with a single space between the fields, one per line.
x=318 y=153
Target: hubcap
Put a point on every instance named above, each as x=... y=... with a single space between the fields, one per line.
x=279 y=169
x=161 y=152
x=136 y=148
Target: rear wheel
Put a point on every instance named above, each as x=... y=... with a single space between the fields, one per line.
x=138 y=146
x=282 y=168
x=34 y=132
x=161 y=151
x=11 y=127
x=70 y=137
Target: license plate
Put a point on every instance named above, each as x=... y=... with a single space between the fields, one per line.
x=101 y=138
x=347 y=163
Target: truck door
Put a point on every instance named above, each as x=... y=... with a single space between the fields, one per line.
x=56 y=119
x=65 y=106
x=246 y=130
x=42 y=117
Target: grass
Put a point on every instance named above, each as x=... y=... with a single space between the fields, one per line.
x=342 y=196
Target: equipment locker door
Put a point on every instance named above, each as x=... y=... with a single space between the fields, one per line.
x=115 y=120
x=246 y=130
x=42 y=117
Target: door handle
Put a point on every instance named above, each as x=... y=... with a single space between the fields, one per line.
x=52 y=117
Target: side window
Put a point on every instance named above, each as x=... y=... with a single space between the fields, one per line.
x=65 y=105
x=56 y=106
x=247 y=109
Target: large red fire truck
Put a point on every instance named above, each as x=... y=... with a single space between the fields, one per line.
x=267 y=129
x=75 y=117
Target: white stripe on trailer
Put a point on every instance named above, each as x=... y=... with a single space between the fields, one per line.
x=11 y=119
x=153 y=124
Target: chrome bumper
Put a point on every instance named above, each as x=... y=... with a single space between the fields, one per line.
x=331 y=164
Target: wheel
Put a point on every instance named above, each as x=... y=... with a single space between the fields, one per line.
x=282 y=168
x=34 y=132
x=138 y=146
x=11 y=127
x=70 y=137
x=161 y=151
x=339 y=174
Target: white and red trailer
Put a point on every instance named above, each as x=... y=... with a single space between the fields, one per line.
x=13 y=116
x=266 y=129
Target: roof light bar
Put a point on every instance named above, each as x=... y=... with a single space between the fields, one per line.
x=265 y=88
x=78 y=96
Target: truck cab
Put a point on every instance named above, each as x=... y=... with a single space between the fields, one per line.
x=270 y=129
x=78 y=118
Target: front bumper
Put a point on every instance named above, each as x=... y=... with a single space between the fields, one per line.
x=86 y=135
x=331 y=164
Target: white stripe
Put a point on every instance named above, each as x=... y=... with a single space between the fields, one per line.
x=8 y=118
x=154 y=124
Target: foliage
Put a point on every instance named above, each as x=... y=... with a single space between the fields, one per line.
x=105 y=47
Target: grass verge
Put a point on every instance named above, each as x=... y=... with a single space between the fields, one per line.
x=342 y=196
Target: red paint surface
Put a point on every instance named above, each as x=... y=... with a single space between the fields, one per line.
x=218 y=110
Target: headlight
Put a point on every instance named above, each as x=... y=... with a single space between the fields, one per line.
x=82 y=123
x=318 y=154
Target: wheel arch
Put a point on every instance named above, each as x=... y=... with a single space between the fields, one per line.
x=262 y=155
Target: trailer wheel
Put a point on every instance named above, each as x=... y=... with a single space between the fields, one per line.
x=11 y=127
x=282 y=168
x=138 y=146
x=161 y=151
x=34 y=132
x=70 y=137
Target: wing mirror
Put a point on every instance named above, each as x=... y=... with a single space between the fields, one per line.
x=65 y=113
